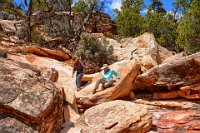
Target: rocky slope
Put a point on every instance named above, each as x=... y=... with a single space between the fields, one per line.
x=28 y=95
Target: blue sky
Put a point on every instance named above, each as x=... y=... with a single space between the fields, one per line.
x=113 y=4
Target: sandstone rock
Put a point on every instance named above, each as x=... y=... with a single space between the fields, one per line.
x=62 y=76
x=10 y=26
x=163 y=54
x=143 y=49
x=171 y=76
x=115 y=117
x=174 y=57
x=127 y=70
x=101 y=23
x=89 y=77
x=160 y=108
x=179 y=121
x=54 y=54
x=28 y=101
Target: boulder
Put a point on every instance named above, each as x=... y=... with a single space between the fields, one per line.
x=163 y=54
x=127 y=71
x=180 y=78
x=28 y=101
x=174 y=57
x=57 y=72
x=179 y=121
x=115 y=117
x=143 y=49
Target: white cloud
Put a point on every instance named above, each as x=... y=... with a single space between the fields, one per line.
x=116 y=4
x=144 y=11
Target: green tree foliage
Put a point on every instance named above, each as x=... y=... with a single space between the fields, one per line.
x=129 y=21
x=9 y=10
x=189 y=28
x=85 y=7
x=181 y=6
x=95 y=52
x=156 y=6
x=161 y=24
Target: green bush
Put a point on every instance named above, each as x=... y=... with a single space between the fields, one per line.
x=21 y=33
x=94 y=52
x=36 y=37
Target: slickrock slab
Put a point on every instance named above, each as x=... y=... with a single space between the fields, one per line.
x=170 y=112
x=28 y=99
x=179 y=122
x=127 y=70
x=115 y=117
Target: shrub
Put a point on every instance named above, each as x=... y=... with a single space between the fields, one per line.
x=36 y=37
x=94 y=52
x=21 y=33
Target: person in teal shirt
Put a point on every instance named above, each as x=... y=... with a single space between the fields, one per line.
x=107 y=78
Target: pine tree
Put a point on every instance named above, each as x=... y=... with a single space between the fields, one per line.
x=129 y=21
x=161 y=24
x=189 y=29
x=181 y=6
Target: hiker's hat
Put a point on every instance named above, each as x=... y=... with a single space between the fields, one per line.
x=104 y=66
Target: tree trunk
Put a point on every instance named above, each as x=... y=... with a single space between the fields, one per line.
x=29 y=28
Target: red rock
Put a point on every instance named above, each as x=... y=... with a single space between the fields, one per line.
x=179 y=121
x=115 y=117
x=171 y=75
x=28 y=101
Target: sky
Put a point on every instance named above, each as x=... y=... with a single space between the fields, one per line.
x=116 y=4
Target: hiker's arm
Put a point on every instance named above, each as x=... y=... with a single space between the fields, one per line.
x=116 y=74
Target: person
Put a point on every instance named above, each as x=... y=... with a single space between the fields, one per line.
x=79 y=69
x=107 y=78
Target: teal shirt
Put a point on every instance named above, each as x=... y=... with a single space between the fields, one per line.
x=109 y=74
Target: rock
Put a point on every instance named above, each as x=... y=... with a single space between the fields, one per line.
x=160 y=108
x=179 y=121
x=101 y=23
x=143 y=49
x=172 y=76
x=54 y=54
x=115 y=117
x=127 y=70
x=163 y=54
x=176 y=104
x=89 y=77
x=10 y=27
x=174 y=57
x=28 y=101
x=61 y=74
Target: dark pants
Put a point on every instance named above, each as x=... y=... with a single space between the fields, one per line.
x=105 y=83
x=78 y=80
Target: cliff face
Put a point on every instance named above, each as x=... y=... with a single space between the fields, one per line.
x=101 y=23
